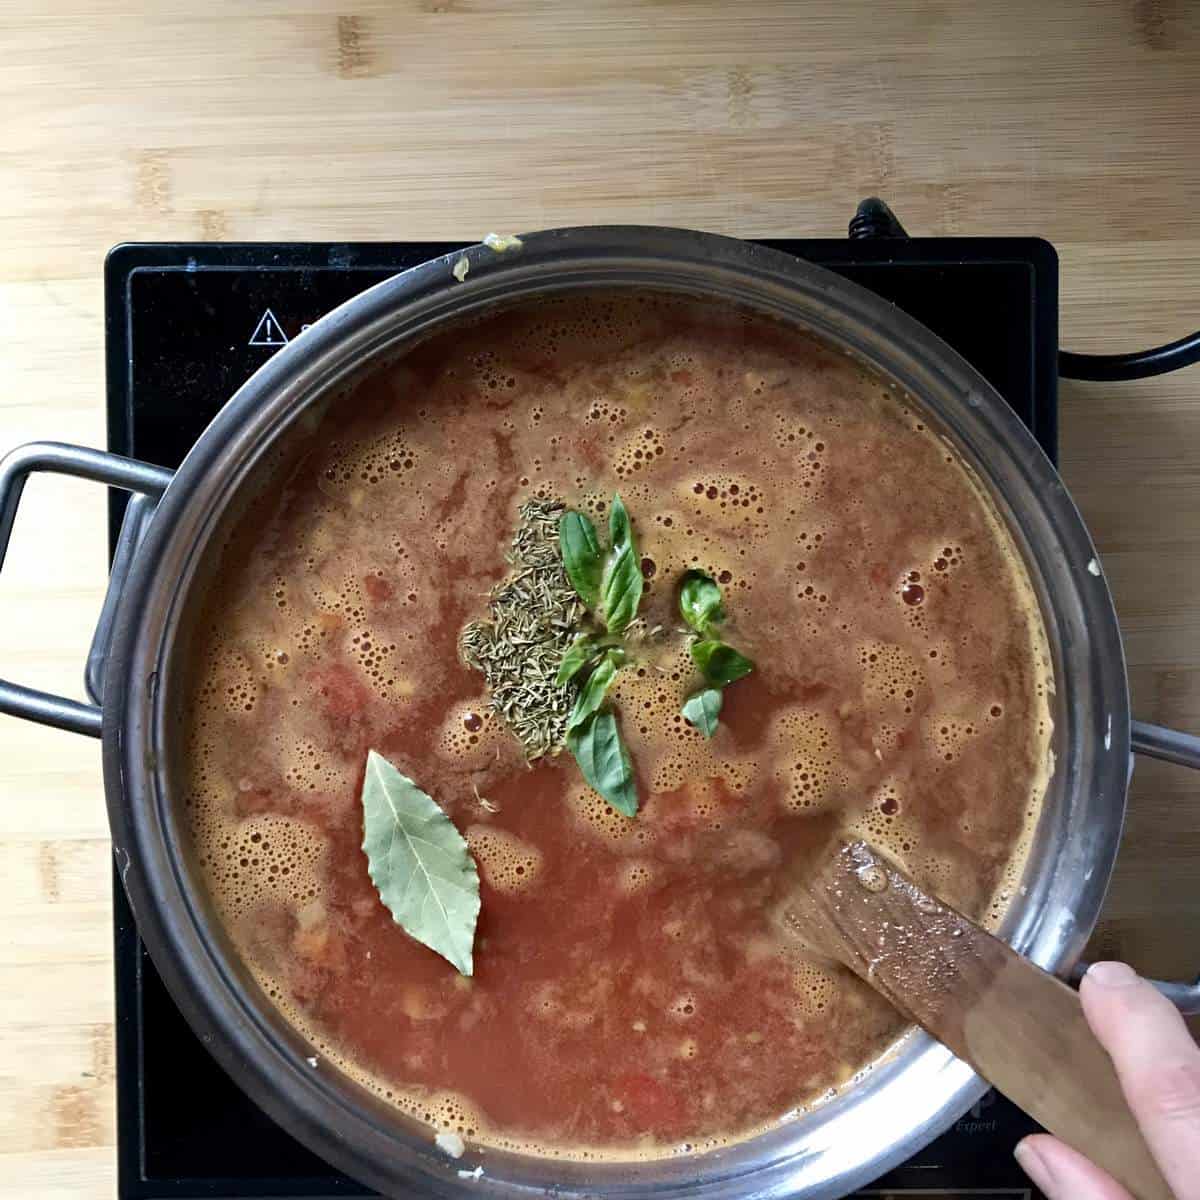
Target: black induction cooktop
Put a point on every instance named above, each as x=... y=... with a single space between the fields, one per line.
x=186 y=324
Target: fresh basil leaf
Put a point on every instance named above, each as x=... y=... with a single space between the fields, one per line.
x=620 y=531
x=719 y=663
x=579 y=653
x=621 y=589
x=621 y=580
x=595 y=688
x=604 y=761
x=581 y=555
x=621 y=585
x=419 y=863
x=702 y=708
x=700 y=601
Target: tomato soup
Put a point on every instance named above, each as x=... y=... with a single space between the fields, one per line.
x=633 y=994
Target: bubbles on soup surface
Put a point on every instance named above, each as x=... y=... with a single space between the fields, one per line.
x=261 y=857
x=470 y=735
x=815 y=987
x=892 y=677
x=635 y=875
x=948 y=734
x=508 y=863
x=803 y=747
x=595 y=817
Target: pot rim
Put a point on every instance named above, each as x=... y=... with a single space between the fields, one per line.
x=837 y=1146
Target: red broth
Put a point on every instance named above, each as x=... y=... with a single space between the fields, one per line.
x=632 y=993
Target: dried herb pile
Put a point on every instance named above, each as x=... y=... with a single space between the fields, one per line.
x=535 y=615
x=559 y=636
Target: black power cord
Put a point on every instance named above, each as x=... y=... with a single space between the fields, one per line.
x=1141 y=364
x=874 y=219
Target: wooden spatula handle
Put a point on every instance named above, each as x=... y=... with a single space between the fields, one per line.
x=1016 y=1025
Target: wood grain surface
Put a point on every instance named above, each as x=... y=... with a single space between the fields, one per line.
x=308 y=119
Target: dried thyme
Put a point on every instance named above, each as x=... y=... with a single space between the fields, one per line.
x=535 y=616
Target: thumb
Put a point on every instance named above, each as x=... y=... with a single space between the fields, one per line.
x=1157 y=1063
x=1063 y=1173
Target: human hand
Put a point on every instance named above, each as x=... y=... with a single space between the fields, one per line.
x=1158 y=1064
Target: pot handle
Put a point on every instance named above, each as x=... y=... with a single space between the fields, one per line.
x=149 y=483
x=1155 y=741
x=1185 y=996
x=1172 y=746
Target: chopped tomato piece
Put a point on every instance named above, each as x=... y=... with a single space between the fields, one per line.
x=378 y=589
x=881 y=575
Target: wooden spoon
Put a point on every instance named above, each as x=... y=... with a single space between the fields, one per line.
x=1019 y=1027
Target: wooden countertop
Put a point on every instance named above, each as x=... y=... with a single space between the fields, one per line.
x=393 y=119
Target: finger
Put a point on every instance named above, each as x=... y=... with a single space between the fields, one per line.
x=1063 y=1173
x=1157 y=1063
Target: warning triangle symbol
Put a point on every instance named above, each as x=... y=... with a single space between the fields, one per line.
x=268 y=332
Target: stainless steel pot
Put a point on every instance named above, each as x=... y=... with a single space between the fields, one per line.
x=134 y=676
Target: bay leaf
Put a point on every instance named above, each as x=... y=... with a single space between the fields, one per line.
x=419 y=863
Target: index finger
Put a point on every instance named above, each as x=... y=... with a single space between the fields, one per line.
x=1158 y=1064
